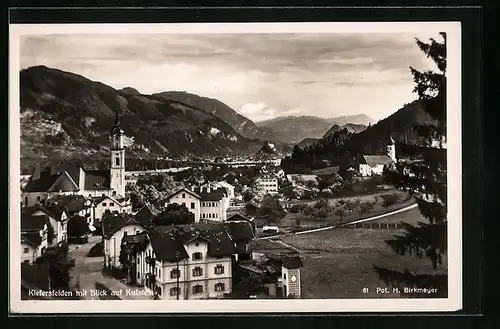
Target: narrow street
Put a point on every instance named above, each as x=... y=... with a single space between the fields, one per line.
x=87 y=273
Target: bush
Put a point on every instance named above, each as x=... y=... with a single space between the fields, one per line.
x=389 y=199
x=97 y=250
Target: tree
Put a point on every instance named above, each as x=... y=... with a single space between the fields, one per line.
x=428 y=179
x=247 y=196
x=351 y=205
x=136 y=195
x=340 y=211
x=77 y=226
x=271 y=209
x=389 y=199
x=174 y=214
x=364 y=208
x=60 y=266
x=124 y=255
x=50 y=232
x=290 y=193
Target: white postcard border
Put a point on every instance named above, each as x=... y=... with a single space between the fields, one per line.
x=454 y=111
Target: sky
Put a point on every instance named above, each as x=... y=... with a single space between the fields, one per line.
x=261 y=76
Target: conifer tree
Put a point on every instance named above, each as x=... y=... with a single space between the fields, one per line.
x=426 y=178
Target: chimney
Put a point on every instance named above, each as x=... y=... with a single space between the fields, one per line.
x=207 y=188
x=37 y=173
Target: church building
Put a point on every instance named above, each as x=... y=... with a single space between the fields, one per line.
x=374 y=164
x=49 y=182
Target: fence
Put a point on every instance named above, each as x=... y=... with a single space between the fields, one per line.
x=376 y=225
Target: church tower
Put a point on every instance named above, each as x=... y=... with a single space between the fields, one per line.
x=391 y=149
x=117 y=149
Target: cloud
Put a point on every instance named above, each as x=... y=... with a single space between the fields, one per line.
x=259 y=75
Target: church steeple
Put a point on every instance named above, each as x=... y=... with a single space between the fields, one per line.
x=117 y=150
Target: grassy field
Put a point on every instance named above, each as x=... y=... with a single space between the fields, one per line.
x=338 y=263
x=305 y=222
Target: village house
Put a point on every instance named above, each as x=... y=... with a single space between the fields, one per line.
x=208 y=203
x=278 y=273
x=371 y=165
x=111 y=204
x=34 y=231
x=58 y=219
x=187 y=262
x=145 y=215
x=71 y=180
x=114 y=228
x=267 y=183
x=242 y=232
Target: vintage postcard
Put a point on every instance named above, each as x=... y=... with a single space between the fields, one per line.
x=298 y=167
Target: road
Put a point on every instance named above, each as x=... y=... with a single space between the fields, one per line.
x=88 y=277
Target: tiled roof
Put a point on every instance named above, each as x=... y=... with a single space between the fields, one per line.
x=185 y=190
x=33 y=223
x=73 y=203
x=291 y=262
x=112 y=223
x=168 y=243
x=167 y=246
x=97 y=179
x=240 y=230
x=214 y=194
x=54 y=211
x=42 y=184
x=239 y=216
x=146 y=214
x=64 y=183
x=32 y=238
x=374 y=160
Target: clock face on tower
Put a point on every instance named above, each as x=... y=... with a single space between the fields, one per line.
x=294 y=278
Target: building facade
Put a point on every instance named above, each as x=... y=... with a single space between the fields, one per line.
x=267 y=183
x=48 y=182
x=187 y=263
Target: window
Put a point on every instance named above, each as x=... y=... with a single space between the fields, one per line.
x=197 y=271
x=26 y=201
x=203 y=215
x=174 y=274
x=38 y=198
x=26 y=250
x=138 y=275
x=197 y=256
x=219 y=269
x=26 y=261
x=125 y=233
x=104 y=204
x=111 y=204
x=284 y=276
x=220 y=286
x=175 y=291
x=138 y=260
x=117 y=161
x=192 y=205
x=159 y=273
x=198 y=289
x=183 y=195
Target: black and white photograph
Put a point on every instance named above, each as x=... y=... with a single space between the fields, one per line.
x=263 y=167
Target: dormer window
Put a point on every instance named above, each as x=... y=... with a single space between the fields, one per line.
x=117 y=161
x=197 y=256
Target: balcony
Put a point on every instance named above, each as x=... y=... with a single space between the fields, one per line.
x=150 y=260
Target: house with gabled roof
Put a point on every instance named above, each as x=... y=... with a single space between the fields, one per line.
x=34 y=230
x=187 y=262
x=58 y=219
x=115 y=226
x=207 y=203
x=50 y=181
x=374 y=164
x=111 y=204
x=145 y=215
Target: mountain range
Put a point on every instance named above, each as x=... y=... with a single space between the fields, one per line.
x=65 y=115
x=294 y=129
